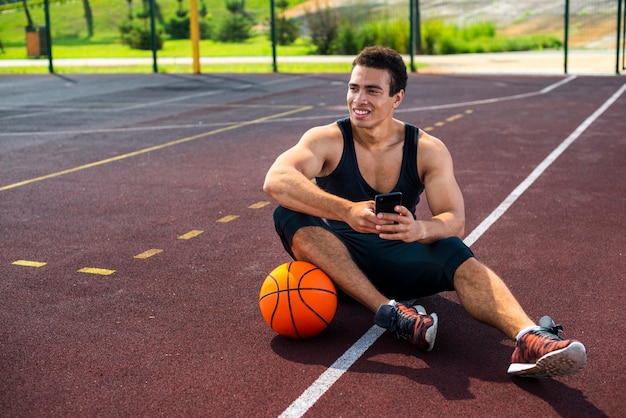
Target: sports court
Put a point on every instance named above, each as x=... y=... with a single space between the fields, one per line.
x=134 y=237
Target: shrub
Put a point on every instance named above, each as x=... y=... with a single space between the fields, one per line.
x=347 y=42
x=323 y=28
x=394 y=35
x=179 y=28
x=234 y=28
x=287 y=31
x=138 y=37
x=440 y=38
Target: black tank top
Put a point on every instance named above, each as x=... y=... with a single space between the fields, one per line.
x=346 y=180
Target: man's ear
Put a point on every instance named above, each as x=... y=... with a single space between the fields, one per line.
x=398 y=98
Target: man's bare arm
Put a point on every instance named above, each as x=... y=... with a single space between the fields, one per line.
x=289 y=182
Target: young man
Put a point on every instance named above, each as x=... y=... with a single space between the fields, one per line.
x=378 y=257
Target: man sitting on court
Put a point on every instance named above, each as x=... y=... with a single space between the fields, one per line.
x=377 y=258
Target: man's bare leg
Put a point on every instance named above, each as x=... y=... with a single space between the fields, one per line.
x=322 y=248
x=487 y=298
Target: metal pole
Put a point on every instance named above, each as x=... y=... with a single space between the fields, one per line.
x=619 y=27
x=153 y=39
x=418 y=28
x=273 y=34
x=566 y=40
x=46 y=9
x=411 y=36
x=623 y=34
x=194 y=30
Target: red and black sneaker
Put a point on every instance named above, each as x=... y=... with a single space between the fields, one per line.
x=543 y=353
x=409 y=323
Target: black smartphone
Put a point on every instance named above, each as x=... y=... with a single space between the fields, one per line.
x=387 y=201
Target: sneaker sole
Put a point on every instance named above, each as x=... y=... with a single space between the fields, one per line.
x=568 y=360
x=431 y=333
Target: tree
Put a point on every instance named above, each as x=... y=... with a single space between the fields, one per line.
x=323 y=28
x=88 y=17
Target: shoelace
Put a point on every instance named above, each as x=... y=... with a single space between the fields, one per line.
x=404 y=324
x=548 y=325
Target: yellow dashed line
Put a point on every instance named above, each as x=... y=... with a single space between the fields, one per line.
x=190 y=234
x=448 y=119
x=149 y=253
x=258 y=205
x=454 y=117
x=227 y=218
x=28 y=263
x=146 y=254
x=94 y=270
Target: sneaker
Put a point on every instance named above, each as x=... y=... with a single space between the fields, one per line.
x=543 y=353
x=409 y=323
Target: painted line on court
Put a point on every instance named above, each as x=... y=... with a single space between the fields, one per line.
x=227 y=218
x=149 y=253
x=29 y=263
x=448 y=120
x=538 y=171
x=311 y=395
x=191 y=234
x=154 y=148
x=145 y=128
x=258 y=205
x=95 y=270
x=520 y=96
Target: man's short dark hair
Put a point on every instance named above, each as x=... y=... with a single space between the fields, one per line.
x=384 y=58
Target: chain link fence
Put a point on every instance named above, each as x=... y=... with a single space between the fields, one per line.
x=238 y=35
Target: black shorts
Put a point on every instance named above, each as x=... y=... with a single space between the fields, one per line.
x=399 y=270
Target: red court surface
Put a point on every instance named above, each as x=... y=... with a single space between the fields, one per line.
x=152 y=183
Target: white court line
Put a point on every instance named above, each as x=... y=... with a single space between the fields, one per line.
x=308 y=398
x=519 y=96
x=148 y=104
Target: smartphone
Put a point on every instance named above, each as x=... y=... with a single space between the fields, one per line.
x=387 y=201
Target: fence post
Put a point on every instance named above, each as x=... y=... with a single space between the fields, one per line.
x=194 y=31
x=619 y=27
x=623 y=34
x=273 y=34
x=411 y=36
x=566 y=36
x=46 y=10
x=153 y=39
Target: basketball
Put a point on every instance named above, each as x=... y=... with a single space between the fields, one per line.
x=298 y=300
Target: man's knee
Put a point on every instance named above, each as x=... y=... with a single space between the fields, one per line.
x=313 y=238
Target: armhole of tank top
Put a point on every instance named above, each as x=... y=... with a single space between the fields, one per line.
x=412 y=138
x=345 y=130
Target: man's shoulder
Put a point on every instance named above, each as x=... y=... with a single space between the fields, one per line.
x=430 y=142
x=329 y=132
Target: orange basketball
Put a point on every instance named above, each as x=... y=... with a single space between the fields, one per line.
x=298 y=300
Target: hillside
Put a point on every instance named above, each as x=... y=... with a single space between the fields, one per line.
x=592 y=22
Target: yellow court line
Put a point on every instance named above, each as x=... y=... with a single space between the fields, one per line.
x=227 y=218
x=94 y=270
x=154 y=148
x=191 y=234
x=258 y=205
x=149 y=253
x=28 y=263
x=454 y=117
